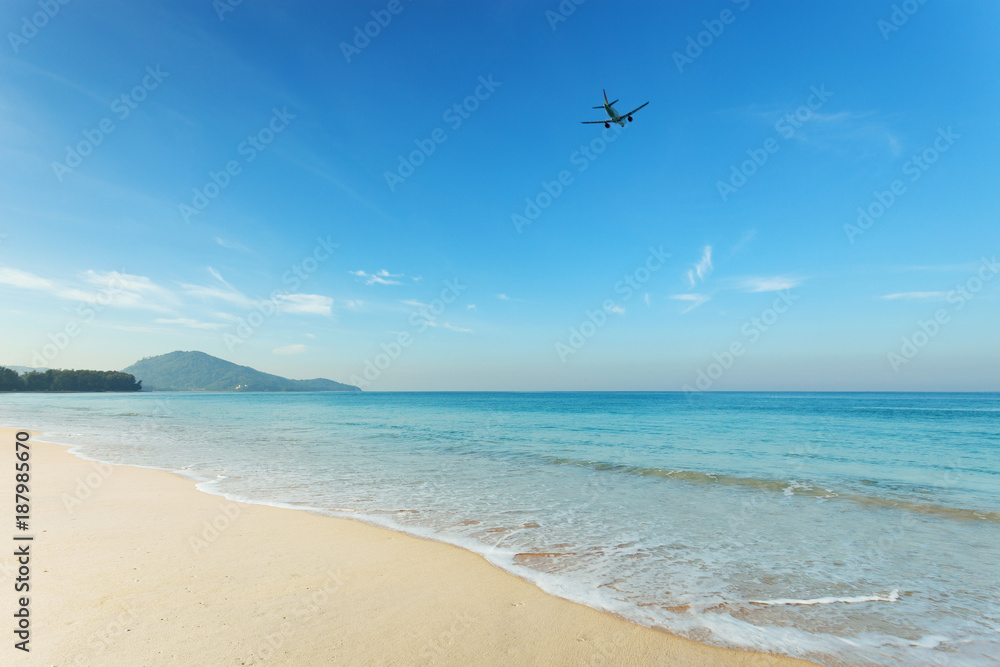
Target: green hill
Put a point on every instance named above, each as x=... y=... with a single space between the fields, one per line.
x=197 y=371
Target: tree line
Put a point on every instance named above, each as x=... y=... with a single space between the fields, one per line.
x=67 y=380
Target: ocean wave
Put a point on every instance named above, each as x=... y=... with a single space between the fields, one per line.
x=891 y=597
x=784 y=487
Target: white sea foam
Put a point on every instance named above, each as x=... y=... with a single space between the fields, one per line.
x=891 y=597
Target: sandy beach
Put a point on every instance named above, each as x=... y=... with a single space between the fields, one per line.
x=137 y=566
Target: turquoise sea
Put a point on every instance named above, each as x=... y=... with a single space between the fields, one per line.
x=851 y=529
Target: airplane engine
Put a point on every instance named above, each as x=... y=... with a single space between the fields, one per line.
x=630 y=119
x=607 y=126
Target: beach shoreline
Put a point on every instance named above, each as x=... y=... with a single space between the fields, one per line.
x=136 y=564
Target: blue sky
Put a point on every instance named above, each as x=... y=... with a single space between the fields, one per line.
x=172 y=180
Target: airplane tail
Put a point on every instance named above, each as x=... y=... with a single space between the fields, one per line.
x=605 y=99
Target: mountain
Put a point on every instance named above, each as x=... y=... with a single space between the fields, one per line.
x=197 y=371
x=26 y=369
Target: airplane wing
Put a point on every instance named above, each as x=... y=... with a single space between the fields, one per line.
x=602 y=122
x=632 y=111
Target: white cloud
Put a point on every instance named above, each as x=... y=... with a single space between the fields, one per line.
x=188 y=322
x=769 y=284
x=232 y=245
x=207 y=292
x=695 y=300
x=446 y=325
x=645 y=297
x=311 y=304
x=618 y=310
x=704 y=267
x=122 y=290
x=130 y=291
x=381 y=277
x=744 y=241
x=936 y=296
x=24 y=280
x=471 y=306
x=701 y=270
x=225 y=293
x=297 y=348
x=503 y=297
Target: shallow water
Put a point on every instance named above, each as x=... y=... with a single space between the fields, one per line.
x=846 y=528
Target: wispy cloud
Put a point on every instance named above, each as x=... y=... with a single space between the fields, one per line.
x=24 y=280
x=694 y=299
x=452 y=327
x=297 y=348
x=745 y=240
x=701 y=270
x=932 y=296
x=225 y=293
x=312 y=304
x=117 y=289
x=503 y=297
x=232 y=245
x=189 y=323
x=769 y=284
x=381 y=277
x=968 y=267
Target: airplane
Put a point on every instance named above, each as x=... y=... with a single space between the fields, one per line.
x=615 y=116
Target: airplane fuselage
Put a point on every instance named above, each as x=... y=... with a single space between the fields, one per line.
x=615 y=118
